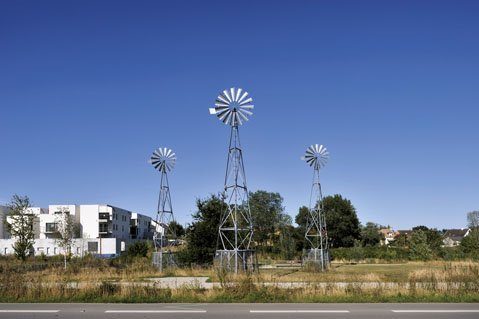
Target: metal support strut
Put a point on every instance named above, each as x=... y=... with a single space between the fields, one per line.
x=235 y=232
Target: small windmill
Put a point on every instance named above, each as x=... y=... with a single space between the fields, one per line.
x=234 y=107
x=316 y=234
x=163 y=160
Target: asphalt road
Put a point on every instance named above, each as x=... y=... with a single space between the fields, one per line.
x=230 y=311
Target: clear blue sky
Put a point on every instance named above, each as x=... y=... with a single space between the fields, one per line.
x=88 y=89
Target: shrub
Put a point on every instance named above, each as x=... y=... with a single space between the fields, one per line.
x=139 y=248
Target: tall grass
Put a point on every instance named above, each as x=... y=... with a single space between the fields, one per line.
x=103 y=281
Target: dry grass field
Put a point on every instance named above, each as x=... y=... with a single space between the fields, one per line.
x=102 y=281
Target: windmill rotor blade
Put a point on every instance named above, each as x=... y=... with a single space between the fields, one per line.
x=242 y=115
x=220 y=98
x=238 y=92
x=225 y=93
x=227 y=118
x=222 y=112
x=238 y=120
x=245 y=94
x=221 y=108
x=246 y=101
x=246 y=111
x=221 y=104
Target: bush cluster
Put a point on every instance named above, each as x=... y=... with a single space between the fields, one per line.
x=391 y=254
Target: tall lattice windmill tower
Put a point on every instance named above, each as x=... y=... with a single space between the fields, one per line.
x=316 y=234
x=163 y=160
x=234 y=107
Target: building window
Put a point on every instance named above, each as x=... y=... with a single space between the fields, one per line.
x=50 y=227
x=122 y=228
x=103 y=227
x=104 y=216
x=92 y=246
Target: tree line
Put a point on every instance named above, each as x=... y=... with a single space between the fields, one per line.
x=274 y=233
x=276 y=236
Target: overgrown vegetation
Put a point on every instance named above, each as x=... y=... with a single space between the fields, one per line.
x=415 y=267
x=117 y=280
x=20 y=223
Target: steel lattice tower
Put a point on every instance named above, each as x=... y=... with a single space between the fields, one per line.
x=163 y=160
x=235 y=231
x=316 y=231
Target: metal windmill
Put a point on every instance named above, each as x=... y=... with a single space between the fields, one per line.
x=234 y=107
x=163 y=160
x=316 y=234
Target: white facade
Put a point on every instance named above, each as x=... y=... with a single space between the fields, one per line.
x=140 y=227
x=36 y=212
x=104 y=229
x=104 y=221
x=4 y=210
x=80 y=247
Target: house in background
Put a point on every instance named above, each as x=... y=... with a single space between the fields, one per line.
x=453 y=237
x=388 y=234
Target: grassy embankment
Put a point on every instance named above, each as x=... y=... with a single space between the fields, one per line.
x=104 y=281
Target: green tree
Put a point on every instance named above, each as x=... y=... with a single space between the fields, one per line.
x=202 y=234
x=177 y=229
x=420 y=249
x=302 y=217
x=66 y=228
x=470 y=243
x=139 y=248
x=370 y=235
x=402 y=240
x=341 y=220
x=268 y=216
x=301 y=220
x=20 y=224
x=287 y=242
x=433 y=237
x=473 y=219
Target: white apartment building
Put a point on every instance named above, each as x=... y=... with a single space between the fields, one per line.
x=48 y=222
x=104 y=221
x=4 y=210
x=103 y=229
x=141 y=227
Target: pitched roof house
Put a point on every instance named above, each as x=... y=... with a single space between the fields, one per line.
x=453 y=237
